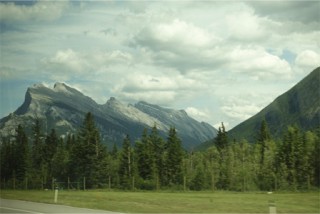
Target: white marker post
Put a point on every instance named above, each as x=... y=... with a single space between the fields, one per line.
x=272 y=207
x=56 y=195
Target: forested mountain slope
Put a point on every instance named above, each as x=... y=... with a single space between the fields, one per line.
x=299 y=106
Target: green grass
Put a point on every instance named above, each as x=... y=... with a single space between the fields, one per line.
x=177 y=202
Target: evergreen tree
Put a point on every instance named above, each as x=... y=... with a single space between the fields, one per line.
x=225 y=158
x=7 y=159
x=126 y=164
x=174 y=158
x=37 y=146
x=87 y=153
x=21 y=154
x=221 y=140
x=199 y=180
x=39 y=174
x=49 y=150
x=288 y=155
x=263 y=137
x=114 y=152
x=145 y=157
x=60 y=162
x=159 y=152
x=316 y=159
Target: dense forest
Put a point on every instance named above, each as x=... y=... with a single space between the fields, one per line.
x=81 y=161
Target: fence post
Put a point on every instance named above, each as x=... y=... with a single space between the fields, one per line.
x=133 y=183
x=272 y=207
x=84 y=183
x=52 y=184
x=157 y=182
x=56 y=195
x=109 y=182
x=14 y=183
x=26 y=184
x=68 y=183
x=212 y=182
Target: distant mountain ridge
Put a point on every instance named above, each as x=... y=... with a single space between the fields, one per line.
x=64 y=108
x=298 y=106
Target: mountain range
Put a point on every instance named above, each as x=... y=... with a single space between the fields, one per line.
x=63 y=108
x=299 y=106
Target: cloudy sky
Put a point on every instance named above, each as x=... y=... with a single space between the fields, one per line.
x=218 y=60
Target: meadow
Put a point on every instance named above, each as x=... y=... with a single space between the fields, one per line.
x=177 y=202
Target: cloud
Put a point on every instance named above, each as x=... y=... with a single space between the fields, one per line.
x=301 y=11
x=176 y=36
x=240 y=108
x=155 y=86
x=40 y=11
x=308 y=59
x=200 y=55
x=200 y=115
x=251 y=27
x=70 y=60
x=258 y=63
x=84 y=63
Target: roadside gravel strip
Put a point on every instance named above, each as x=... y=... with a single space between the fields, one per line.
x=16 y=206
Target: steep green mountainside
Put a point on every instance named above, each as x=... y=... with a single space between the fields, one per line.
x=299 y=106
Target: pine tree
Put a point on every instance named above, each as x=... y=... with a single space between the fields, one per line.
x=37 y=146
x=21 y=154
x=49 y=150
x=225 y=157
x=87 y=154
x=263 y=137
x=316 y=159
x=126 y=164
x=160 y=153
x=7 y=159
x=288 y=155
x=60 y=162
x=174 y=158
x=145 y=157
x=199 y=179
x=39 y=174
x=221 y=140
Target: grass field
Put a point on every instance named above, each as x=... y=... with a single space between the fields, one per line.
x=177 y=202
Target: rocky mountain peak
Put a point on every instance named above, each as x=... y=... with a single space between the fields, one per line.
x=63 y=108
x=60 y=87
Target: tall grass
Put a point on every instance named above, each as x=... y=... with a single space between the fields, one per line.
x=177 y=202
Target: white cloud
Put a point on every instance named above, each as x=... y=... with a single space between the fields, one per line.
x=198 y=114
x=249 y=29
x=178 y=44
x=258 y=63
x=70 y=60
x=242 y=112
x=180 y=32
x=40 y=11
x=202 y=55
x=308 y=59
x=85 y=62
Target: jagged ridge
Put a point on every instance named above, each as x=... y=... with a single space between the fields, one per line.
x=63 y=108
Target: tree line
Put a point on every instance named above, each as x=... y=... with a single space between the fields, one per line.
x=82 y=161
